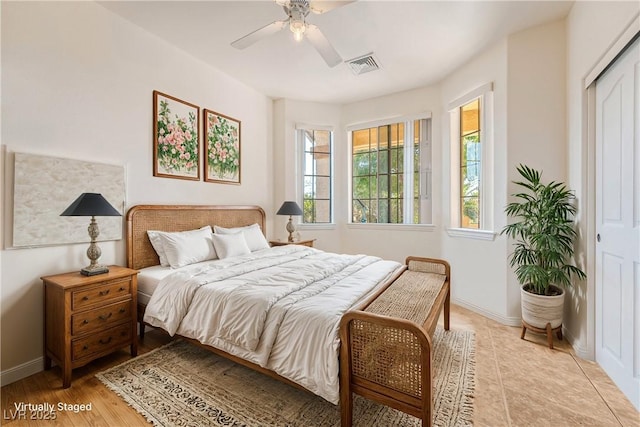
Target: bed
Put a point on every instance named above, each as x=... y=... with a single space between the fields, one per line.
x=275 y=337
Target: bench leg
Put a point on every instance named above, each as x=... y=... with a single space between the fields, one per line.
x=447 y=311
x=427 y=391
x=524 y=331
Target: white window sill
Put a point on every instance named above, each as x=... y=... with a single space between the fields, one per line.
x=323 y=226
x=397 y=227
x=468 y=233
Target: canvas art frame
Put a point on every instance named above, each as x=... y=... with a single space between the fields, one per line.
x=176 y=138
x=222 y=148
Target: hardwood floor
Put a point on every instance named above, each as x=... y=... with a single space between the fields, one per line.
x=518 y=383
x=107 y=409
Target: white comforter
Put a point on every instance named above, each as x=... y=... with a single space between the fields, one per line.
x=279 y=308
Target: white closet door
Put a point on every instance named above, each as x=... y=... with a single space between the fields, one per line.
x=618 y=222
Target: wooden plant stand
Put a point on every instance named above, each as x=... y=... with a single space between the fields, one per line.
x=547 y=330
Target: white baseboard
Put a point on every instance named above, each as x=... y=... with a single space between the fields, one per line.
x=509 y=321
x=21 y=371
x=579 y=350
x=26 y=369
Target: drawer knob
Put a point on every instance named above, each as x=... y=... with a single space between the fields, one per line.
x=85 y=321
x=85 y=347
x=105 y=342
x=105 y=317
x=103 y=293
x=85 y=298
x=122 y=310
x=121 y=288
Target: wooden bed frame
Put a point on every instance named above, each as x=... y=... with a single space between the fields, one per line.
x=140 y=254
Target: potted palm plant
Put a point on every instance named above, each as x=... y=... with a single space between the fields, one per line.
x=544 y=235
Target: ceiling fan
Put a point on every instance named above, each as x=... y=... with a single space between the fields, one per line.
x=297 y=11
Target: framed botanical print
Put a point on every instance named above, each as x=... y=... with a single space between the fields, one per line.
x=222 y=148
x=176 y=138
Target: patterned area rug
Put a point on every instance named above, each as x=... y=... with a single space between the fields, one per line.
x=181 y=384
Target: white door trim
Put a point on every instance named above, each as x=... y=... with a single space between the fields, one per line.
x=625 y=38
x=589 y=183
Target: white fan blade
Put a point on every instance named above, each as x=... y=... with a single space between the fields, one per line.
x=322 y=45
x=253 y=37
x=319 y=7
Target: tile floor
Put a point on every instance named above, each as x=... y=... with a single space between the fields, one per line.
x=524 y=383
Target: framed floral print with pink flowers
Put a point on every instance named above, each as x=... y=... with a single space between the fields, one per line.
x=222 y=148
x=176 y=138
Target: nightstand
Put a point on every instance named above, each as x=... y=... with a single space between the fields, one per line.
x=297 y=242
x=86 y=317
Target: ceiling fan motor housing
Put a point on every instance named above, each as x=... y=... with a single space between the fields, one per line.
x=297 y=9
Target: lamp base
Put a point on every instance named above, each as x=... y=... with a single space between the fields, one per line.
x=291 y=229
x=92 y=271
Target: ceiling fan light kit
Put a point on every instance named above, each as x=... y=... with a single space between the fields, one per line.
x=297 y=11
x=297 y=23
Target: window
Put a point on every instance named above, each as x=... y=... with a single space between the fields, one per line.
x=472 y=164
x=317 y=194
x=386 y=173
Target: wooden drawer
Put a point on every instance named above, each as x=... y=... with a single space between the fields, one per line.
x=105 y=341
x=100 y=317
x=104 y=292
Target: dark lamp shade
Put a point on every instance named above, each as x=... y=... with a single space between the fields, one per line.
x=289 y=208
x=90 y=204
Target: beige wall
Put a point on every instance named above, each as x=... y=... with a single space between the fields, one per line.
x=77 y=82
x=536 y=109
x=479 y=269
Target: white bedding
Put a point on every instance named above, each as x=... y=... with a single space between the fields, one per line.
x=279 y=308
x=148 y=279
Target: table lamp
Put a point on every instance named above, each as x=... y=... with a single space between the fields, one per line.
x=92 y=204
x=290 y=208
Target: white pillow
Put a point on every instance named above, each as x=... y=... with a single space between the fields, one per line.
x=154 y=238
x=156 y=242
x=252 y=234
x=188 y=247
x=228 y=245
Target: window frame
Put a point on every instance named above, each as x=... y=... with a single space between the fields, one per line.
x=481 y=139
x=486 y=188
x=300 y=130
x=425 y=189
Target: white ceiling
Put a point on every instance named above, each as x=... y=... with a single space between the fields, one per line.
x=417 y=43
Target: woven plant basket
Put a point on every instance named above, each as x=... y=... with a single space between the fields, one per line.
x=538 y=310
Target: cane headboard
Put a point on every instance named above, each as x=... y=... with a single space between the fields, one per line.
x=140 y=218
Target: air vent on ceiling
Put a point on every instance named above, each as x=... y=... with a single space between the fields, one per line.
x=363 y=64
